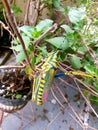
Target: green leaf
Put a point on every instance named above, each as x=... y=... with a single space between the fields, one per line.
x=76 y=14
x=44 y=25
x=43 y=49
x=62 y=56
x=36 y=33
x=33 y=61
x=96 y=84
x=27 y=30
x=18 y=96
x=59 y=42
x=27 y=41
x=57 y=4
x=91 y=69
x=39 y=59
x=17 y=48
x=41 y=27
x=75 y=62
x=73 y=39
x=15 y=41
x=82 y=49
x=94 y=99
x=20 y=56
x=67 y=28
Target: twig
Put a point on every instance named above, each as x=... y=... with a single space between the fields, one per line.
x=79 y=123
x=91 y=128
x=8 y=24
x=57 y=99
x=68 y=84
x=26 y=19
x=88 y=87
x=75 y=119
x=88 y=103
x=65 y=99
x=53 y=120
x=52 y=28
x=86 y=116
x=1 y=116
x=43 y=6
x=60 y=64
x=89 y=50
x=6 y=28
x=36 y=12
x=68 y=112
x=12 y=21
x=6 y=57
x=11 y=67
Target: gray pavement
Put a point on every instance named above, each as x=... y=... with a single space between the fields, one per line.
x=49 y=116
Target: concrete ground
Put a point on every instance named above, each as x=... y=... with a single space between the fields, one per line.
x=50 y=115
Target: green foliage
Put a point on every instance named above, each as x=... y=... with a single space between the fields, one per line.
x=44 y=25
x=58 y=42
x=29 y=35
x=76 y=15
x=92 y=70
x=75 y=62
x=76 y=41
x=18 y=96
x=55 y=4
x=94 y=100
x=67 y=29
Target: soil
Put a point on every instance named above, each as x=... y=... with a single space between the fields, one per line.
x=14 y=84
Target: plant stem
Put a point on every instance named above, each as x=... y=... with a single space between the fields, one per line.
x=86 y=100
x=6 y=28
x=52 y=28
x=12 y=21
x=11 y=67
x=33 y=21
x=26 y=18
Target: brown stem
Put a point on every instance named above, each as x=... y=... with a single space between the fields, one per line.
x=6 y=57
x=26 y=19
x=58 y=114
x=12 y=21
x=6 y=28
x=87 y=101
x=1 y=116
x=70 y=106
x=11 y=67
x=52 y=28
x=57 y=99
x=36 y=12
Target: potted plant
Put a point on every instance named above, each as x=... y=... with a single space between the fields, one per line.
x=15 y=89
x=15 y=85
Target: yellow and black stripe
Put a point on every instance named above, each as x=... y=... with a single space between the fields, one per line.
x=40 y=91
x=52 y=60
x=79 y=73
x=45 y=77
